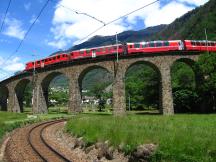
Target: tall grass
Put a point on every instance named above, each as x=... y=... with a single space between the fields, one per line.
x=179 y=138
x=5 y=117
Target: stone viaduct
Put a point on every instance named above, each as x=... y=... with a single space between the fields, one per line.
x=11 y=90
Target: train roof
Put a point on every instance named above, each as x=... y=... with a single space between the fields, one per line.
x=155 y=41
x=83 y=49
x=201 y=40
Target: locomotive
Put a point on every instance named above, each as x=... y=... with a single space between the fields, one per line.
x=148 y=47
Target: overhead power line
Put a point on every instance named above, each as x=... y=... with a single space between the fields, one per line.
x=81 y=13
x=84 y=38
x=5 y=16
x=21 y=41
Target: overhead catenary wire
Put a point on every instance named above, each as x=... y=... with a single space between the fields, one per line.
x=5 y=15
x=80 y=13
x=110 y=22
x=26 y=34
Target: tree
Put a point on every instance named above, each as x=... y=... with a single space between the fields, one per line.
x=207 y=88
x=142 y=85
x=183 y=87
x=98 y=91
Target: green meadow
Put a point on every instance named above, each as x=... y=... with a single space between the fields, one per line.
x=189 y=138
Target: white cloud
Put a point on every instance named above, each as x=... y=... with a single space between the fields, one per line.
x=27 y=6
x=59 y=44
x=9 y=67
x=69 y=26
x=195 y=2
x=13 y=28
x=167 y=14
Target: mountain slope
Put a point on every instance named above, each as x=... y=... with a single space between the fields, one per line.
x=192 y=25
x=127 y=36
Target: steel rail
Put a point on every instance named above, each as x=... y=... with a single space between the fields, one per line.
x=44 y=141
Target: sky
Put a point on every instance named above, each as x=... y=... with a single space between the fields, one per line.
x=62 y=24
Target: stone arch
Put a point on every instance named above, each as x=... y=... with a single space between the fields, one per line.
x=151 y=64
x=19 y=90
x=86 y=70
x=158 y=72
x=190 y=87
x=4 y=94
x=46 y=82
x=192 y=64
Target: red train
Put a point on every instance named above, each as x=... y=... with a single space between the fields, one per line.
x=126 y=49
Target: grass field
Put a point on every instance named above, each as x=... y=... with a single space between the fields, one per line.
x=189 y=138
x=9 y=117
x=10 y=121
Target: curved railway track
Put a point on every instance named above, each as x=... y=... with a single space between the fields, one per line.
x=38 y=143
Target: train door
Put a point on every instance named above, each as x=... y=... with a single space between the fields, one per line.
x=181 y=45
x=93 y=53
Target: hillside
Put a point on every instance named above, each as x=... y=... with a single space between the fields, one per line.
x=192 y=25
x=126 y=36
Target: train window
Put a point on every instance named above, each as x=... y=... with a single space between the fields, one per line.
x=120 y=47
x=54 y=58
x=136 y=45
x=38 y=62
x=158 y=44
x=98 y=50
x=81 y=52
x=115 y=48
x=166 y=43
x=195 y=43
x=152 y=44
x=104 y=49
x=192 y=43
x=88 y=51
x=130 y=46
x=198 y=43
x=203 y=43
x=46 y=60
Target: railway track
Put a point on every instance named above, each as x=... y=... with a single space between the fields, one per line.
x=38 y=143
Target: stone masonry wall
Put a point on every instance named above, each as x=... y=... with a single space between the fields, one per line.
x=162 y=64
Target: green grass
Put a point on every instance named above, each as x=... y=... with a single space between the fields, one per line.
x=189 y=138
x=10 y=121
x=6 y=117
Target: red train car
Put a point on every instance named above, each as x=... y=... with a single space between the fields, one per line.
x=200 y=45
x=47 y=61
x=97 y=52
x=154 y=46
